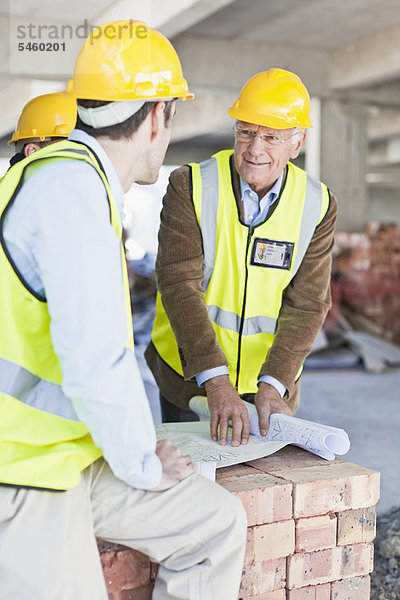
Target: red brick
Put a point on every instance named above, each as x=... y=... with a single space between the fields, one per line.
x=321 y=486
x=313 y=568
x=249 y=554
x=273 y=540
x=265 y=498
x=261 y=577
x=311 y=592
x=340 y=487
x=234 y=471
x=357 y=560
x=125 y=570
x=355 y=526
x=292 y=458
x=354 y=588
x=316 y=533
x=275 y=595
x=329 y=565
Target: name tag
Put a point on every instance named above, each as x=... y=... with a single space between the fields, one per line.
x=272 y=253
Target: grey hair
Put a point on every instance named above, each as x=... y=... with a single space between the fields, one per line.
x=296 y=131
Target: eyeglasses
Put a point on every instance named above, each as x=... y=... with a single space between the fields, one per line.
x=269 y=139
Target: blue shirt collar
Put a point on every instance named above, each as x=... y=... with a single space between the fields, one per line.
x=271 y=195
x=77 y=135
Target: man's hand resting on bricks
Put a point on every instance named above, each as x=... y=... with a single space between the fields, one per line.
x=268 y=401
x=226 y=405
x=175 y=467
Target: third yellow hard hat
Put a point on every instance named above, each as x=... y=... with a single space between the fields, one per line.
x=46 y=116
x=127 y=60
x=274 y=98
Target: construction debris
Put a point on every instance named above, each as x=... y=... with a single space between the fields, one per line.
x=363 y=327
x=367 y=275
x=385 y=580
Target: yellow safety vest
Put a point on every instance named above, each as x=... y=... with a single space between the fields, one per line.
x=246 y=268
x=42 y=442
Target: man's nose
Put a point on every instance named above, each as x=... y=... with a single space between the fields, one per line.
x=256 y=146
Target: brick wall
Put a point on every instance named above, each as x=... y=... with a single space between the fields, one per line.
x=367 y=275
x=311 y=526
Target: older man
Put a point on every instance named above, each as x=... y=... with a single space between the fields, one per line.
x=243 y=266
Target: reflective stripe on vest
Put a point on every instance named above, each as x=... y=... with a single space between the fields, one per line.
x=33 y=391
x=208 y=219
x=231 y=321
x=310 y=219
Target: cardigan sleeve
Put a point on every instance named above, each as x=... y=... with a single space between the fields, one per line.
x=179 y=274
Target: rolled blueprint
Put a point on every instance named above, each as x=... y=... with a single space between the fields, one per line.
x=323 y=440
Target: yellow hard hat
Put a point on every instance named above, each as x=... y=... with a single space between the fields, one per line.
x=50 y=115
x=127 y=60
x=274 y=98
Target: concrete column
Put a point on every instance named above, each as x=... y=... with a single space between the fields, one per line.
x=343 y=160
x=313 y=142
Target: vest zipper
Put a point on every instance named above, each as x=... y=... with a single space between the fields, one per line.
x=249 y=236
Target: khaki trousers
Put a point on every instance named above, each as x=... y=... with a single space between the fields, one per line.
x=196 y=531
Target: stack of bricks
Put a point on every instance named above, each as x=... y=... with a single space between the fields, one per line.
x=311 y=526
x=367 y=270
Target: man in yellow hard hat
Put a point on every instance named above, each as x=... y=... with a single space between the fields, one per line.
x=78 y=451
x=44 y=120
x=243 y=266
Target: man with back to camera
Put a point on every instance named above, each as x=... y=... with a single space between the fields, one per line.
x=78 y=452
x=243 y=266
x=44 y=120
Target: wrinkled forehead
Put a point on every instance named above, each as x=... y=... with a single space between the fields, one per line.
x=263 y=129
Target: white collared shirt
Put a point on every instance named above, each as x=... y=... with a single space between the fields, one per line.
x=59 y=235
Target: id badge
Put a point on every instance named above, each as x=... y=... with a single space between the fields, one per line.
x=272 y=253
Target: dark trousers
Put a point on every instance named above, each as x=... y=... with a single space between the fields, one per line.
x=172 y=414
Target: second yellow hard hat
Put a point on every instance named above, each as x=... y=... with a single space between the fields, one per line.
x=274 y=98
x=46 y=116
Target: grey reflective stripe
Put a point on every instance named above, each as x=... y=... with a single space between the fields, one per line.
x=260 y=324
x=309 y=220
x=209 y=212
x=251 y=326
x=75 y=151
x=30 y=389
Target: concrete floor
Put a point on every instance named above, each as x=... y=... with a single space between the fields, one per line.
x=365 y=405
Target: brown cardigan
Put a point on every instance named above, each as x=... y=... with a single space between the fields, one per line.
x=179 y=273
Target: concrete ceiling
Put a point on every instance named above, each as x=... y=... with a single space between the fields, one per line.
x=56 y=11
x=320 y=23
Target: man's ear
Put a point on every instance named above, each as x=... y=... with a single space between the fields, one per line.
x=31 y=148
x=300 y=139
x=157 y=119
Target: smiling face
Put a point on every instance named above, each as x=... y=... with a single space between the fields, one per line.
x=260 y=165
